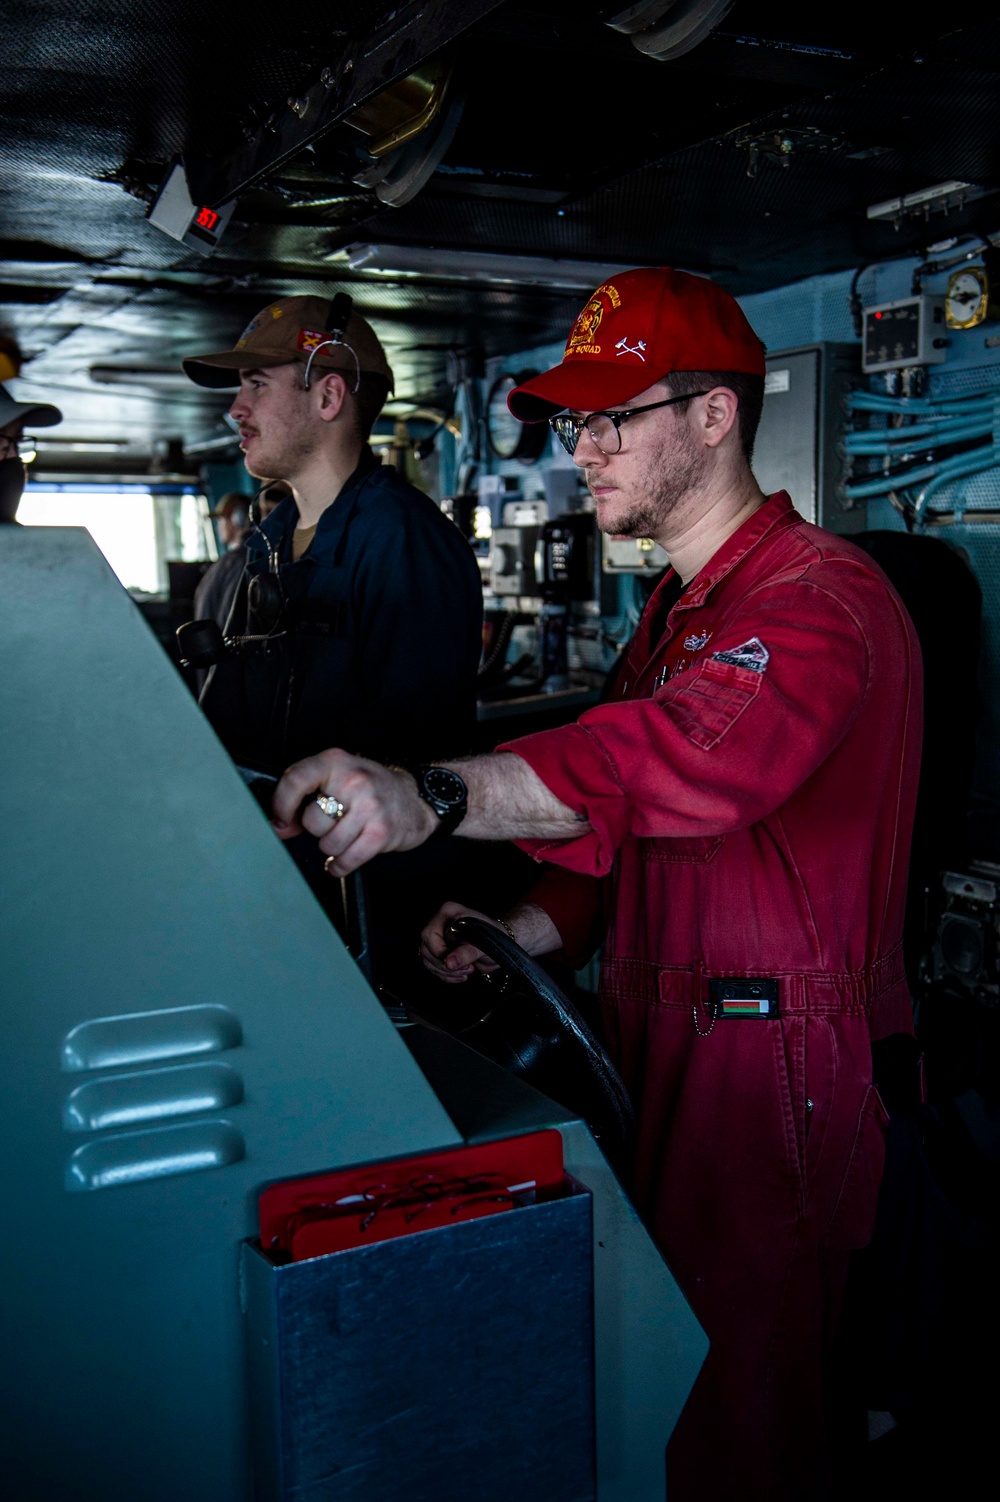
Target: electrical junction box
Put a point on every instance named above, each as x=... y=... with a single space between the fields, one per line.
x=909 y=331
x=804 y=414
x=197 y=226
x=514 y=562
x=522 y=513
x=631 y=555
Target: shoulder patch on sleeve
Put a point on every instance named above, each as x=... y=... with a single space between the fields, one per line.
x=752 y=654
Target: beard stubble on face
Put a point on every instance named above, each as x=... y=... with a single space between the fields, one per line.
x=284 y=455
x=648 y=497
x=286 y=437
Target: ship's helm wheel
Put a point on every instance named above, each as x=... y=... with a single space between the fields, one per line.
x=528 y=1026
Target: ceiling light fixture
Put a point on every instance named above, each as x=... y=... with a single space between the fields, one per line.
x=549 y=272
x=941 y=198
x=153 y=377
x=82 y=445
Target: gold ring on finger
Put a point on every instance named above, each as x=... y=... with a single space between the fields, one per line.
x=331 y=806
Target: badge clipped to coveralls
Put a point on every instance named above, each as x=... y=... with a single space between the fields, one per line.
x=743 y=998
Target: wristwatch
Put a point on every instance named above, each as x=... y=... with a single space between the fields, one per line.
x=446 y=793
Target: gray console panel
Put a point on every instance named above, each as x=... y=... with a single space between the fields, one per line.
x=180 y=1025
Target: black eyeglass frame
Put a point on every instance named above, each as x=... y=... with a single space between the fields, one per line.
x=577 y=424
x=17 y=446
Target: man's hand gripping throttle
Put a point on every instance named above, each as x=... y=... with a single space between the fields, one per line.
x=356 y=808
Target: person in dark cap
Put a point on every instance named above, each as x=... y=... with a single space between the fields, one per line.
x=213 y=599
x=363 y=600
x=14 y=418
x=375 y=613
x=734 y=826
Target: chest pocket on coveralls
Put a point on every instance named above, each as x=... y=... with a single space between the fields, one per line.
x=704 y=707
x=706 y=704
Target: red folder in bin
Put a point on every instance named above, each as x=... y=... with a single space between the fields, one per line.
x=352 y=1207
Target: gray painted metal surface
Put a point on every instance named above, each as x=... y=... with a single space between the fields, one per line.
x=649 y=1347
x=180 y=1025
x=803 y=417
x=498 y=1309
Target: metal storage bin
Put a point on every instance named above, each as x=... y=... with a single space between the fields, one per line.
x=452 y=1364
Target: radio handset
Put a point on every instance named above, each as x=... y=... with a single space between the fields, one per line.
x=201 y=644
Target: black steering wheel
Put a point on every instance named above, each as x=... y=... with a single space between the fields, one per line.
x=532 y=1029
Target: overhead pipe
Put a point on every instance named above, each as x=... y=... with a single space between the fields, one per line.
x=942 y=422
x=874 y=401
x=944 y=471
x=890 y=440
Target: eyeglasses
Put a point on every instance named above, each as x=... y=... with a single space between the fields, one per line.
x=604 y=428
x=10 y=448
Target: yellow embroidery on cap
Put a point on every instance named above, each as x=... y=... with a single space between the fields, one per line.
x=581 y=339
x=250 y=329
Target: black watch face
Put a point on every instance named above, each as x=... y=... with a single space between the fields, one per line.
x=444 y=786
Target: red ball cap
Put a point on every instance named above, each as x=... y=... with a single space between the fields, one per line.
x=635 y=330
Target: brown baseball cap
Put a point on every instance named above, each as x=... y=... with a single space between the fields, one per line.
x=290 y=329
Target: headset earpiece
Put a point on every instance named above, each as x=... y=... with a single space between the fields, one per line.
x=341 y=308
x=337 y=318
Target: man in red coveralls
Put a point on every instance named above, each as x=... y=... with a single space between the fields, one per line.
x=734 y=823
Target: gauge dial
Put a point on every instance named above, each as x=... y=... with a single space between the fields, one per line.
x=967 y=298
x=508 y=438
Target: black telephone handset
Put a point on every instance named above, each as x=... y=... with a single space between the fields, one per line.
x=567 y=557
x=201 y=644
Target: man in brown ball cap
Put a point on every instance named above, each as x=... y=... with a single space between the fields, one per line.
x=378 y=606
x=363 y=599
